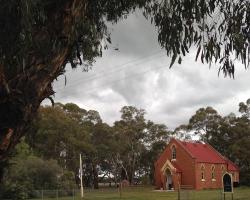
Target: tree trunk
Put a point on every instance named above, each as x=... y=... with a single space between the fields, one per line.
x=95 y=176
x=21 y=95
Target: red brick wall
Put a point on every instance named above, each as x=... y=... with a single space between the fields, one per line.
x=183 y=160
x=190 y=170
x=187 y=165
x=209 y=182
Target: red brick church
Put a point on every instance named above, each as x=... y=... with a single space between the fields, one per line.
x=193 y=164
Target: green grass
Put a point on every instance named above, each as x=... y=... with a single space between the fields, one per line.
x=147 y=193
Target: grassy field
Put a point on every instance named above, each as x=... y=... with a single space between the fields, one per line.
x=148 y=193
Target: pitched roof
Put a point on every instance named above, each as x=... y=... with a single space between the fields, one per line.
x=231 y=165
x=203 y=152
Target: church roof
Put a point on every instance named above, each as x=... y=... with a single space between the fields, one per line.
x=205 y=153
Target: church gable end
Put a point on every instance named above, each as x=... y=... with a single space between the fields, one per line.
x=192 y=163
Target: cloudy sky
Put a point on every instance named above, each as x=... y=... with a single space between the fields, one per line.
x=138 y=75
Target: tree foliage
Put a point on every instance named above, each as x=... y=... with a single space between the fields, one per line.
x=39 y=37
x=204 y=121
x=139 y=143
x=230 y=134
x=27 y=173
x=218 y=28
x=126 y=150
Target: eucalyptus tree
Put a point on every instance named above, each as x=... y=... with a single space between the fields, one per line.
x=39 y=37
x=130 y=133
x=55 y=134
x=155 y=141
x=204 y=122
x=244 y=108
x=68 y=131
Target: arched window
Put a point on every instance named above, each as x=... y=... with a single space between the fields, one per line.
x=202 y=173
x=173 y=152
x=213 y=172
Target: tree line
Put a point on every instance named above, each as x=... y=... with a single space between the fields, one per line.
x=124 y=151
x=39 y=38
x=48 y=156
x=230 y=134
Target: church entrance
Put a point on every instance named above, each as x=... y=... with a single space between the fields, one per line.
x=169 y=180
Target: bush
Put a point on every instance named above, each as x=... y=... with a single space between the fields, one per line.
x=27 y=173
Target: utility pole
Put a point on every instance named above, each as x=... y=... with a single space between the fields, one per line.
x=81 y=176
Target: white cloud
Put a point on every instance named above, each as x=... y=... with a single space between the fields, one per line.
x=138 y=75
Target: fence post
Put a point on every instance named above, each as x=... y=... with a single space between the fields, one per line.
x=179 y=195
x=73 y=194
x=56 y=194
x=120 y=189
x=42 y=194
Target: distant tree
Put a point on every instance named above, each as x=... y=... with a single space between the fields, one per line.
x=130 y=132
x=101 y=138
x=65 y=137
x=70 y=130
x=156 y=132
x=204 y=122
x=138 y=144
x=244 y=108
x=157 y=136
x=38 y=39
x=182 y=132
x=229 y=135
x=232 y=139
x=27 y=173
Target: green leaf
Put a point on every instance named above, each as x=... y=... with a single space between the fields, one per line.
x=179 y=60
x=173 y=60
x=183 y=50
x=109 y=40
x=198 y=52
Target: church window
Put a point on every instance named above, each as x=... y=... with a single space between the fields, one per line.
x=213 y=173
x=173 y=153
x=202 y=173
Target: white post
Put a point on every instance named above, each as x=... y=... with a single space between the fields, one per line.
x=81 y=176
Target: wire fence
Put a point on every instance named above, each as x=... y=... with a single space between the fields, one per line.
x=186 y=192
x=135 y=192
x=54 y=194
x=74 y=194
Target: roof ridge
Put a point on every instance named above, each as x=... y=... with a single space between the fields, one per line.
x=227 y=160
x=180 y=143
x=219 y=154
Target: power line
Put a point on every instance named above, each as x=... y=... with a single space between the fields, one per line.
x=117 y=68
x=90 y=91
x=99 y=77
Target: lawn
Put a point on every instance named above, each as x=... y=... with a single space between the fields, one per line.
x=147 y=193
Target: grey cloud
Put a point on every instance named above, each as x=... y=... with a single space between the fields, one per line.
x=138 y=75
x=135 y=36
